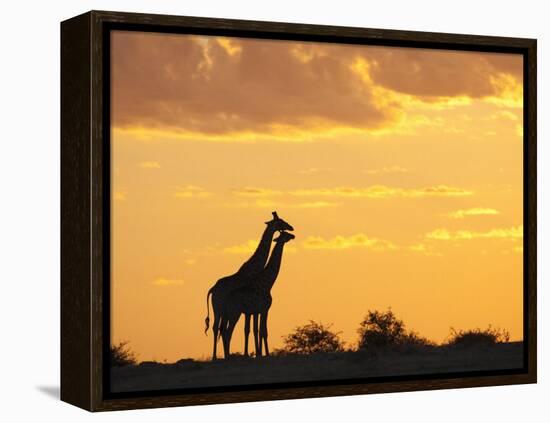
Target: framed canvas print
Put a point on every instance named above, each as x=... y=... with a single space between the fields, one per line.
x=257 y=210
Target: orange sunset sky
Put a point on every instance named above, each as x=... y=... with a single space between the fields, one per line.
x=400 y=170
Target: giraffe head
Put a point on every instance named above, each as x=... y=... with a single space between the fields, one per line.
x=278 y=224
x=284 y=237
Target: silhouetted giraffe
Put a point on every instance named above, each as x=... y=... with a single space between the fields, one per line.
x=246 y=274
x=254 y=300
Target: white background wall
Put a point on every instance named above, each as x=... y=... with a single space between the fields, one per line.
x=29 y=209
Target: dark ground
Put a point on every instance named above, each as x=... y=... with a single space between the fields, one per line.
x=299 y=368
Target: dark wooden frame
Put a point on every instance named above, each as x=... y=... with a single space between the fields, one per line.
x=85 y=173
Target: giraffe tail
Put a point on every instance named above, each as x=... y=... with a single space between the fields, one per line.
x=207 y=320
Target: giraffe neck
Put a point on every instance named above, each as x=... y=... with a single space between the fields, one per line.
x=271 y=271
x=256 y=263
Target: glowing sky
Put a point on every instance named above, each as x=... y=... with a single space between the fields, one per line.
x=400 y=169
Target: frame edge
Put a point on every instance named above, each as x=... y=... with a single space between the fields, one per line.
x=76 y=329
x=530 y=181
x=297 y=28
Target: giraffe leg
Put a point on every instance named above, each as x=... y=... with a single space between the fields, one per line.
x=246 y=333
x=224 y=335
x=215 y=331
x=229 y=333
x=263 y=332
x=256 y=340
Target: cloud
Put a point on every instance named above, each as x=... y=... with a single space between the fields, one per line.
x=269 y=204
x=167 y=282
x=314 y=170
x=149 y=165
x=235 y=88
x=247 y=247
x=513 y=233
x=345 y=242
x=424 y=250
x=444 y=73
x=476 y=211
x=198 y=85
x=505 y=114
x=382 y=191
x=192 y=191
x=386 y=169
x=256 y=192
x=418 y=248
x=510 y=92
x=374 y=191
x=230 y=46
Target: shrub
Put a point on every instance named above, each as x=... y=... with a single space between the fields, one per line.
x=384 y=329
x=121 y=355
x=476 y=337
x=312 y=338
x=414 y=339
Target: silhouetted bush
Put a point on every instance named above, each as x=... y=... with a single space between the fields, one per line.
x=414 y=339
x=476 y=337
x=121 y=355
x=312 y=338
x=384 y=329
